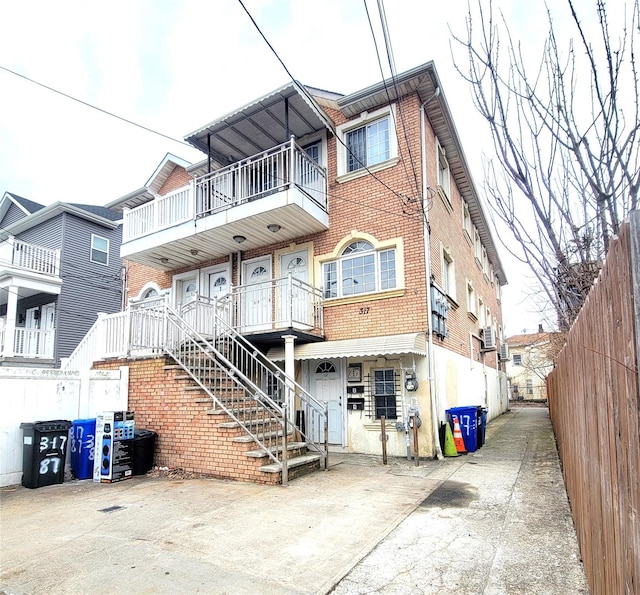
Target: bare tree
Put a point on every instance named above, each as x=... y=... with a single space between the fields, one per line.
x=567 y=137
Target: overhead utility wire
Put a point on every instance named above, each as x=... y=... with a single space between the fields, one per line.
x=304 y=90
x=392 y=69
x=95 y=107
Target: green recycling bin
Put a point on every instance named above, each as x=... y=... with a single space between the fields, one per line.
x=44 y=451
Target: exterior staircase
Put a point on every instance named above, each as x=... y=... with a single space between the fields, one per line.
x=250 y=398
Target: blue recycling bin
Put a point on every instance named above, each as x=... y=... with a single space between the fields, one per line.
x=468 y=420
x=83 y=442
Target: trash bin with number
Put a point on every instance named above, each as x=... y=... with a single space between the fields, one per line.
x=44 y=449
x=83 y=443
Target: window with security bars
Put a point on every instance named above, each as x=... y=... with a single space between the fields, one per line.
x=384 y=387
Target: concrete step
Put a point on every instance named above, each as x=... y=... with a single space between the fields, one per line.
x=305 y=460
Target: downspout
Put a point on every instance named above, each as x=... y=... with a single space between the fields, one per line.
x=427 y=264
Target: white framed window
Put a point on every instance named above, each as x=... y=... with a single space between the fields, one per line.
x=369 y=142
x=384 y=393
x=360 y=269
x=448 y=274
x=99 y=250
x=471 y=298
x=466 y=220
x=444 y=174
x=485 y=262
x=517 y=359
x=481 y=313
x=477 y=244
x=529 y=386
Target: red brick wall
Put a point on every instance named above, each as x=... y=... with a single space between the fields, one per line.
x=188 y=437
x=177 y=179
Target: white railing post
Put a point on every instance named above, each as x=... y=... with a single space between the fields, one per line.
x=10 y=326
x=99 y=347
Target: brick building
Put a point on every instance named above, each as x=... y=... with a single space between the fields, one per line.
x=346 y=238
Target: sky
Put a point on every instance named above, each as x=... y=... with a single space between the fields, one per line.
x=174 y=65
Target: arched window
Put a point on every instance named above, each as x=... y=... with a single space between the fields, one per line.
x=325 y=368
x=360 y=269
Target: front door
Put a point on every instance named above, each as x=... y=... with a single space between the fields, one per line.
x=328 y=387
x=295 y=302
x=48 y=324
x=256 y=296
x=216 y=285
x=31 y=335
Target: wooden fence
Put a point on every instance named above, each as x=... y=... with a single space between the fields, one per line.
x=594 y=402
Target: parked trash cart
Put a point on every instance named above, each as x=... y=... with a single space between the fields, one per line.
x=144 y=446
x=83 y=445
x=468 y=420
x=44 y=450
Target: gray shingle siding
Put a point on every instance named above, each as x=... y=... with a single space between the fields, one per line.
x=88 y=287
x=13 y=214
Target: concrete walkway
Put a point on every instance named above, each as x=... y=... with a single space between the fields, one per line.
x=495 y=521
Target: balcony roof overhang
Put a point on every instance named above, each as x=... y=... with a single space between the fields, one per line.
x=261 y=125
x=212 y=237
x=27 y=283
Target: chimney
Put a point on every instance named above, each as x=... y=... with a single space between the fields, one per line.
x=540 y=328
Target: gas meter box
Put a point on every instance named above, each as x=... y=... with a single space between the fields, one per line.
x=114 y=446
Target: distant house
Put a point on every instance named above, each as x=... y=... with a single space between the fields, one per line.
x=530 y=361
x=59 y=266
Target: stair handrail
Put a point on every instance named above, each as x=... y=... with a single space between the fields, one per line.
x=263 y=409
x=314 y=430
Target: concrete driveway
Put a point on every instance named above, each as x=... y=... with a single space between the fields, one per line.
x=468 y=523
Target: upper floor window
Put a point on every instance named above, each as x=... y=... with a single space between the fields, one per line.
x=471 y=299
x=360 y=269
x=99 y=250
x=368 y=145
x=367 y=142
x=517 y=359
x=444 y=175
x=477 y=246
x=466 y=219
x=448 y=274
x=313 y=150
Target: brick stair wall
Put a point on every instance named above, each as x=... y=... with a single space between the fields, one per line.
x=192 y=434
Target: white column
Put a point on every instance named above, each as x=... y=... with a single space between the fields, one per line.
x=10 y=328
x=289 y=370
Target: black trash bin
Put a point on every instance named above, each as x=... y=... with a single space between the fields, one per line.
x=144 y=446
x=44 y=451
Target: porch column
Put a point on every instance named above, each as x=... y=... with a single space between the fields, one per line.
x=289 y=369
x=10 y=327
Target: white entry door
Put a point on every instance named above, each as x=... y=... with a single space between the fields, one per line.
x=256 y=297
x=48 y=323
x=296 y=308
x=328 y=387
x=217 y=286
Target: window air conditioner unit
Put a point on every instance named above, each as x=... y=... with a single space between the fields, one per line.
x=488 y=339
x=504 y=352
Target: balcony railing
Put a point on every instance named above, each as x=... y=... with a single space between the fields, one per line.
x=29 y=257
x=31 y=343
x=280 y=304
x=278 y=169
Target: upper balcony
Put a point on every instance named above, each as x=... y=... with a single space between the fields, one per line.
x=277 y=195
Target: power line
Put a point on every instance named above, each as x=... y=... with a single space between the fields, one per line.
x=304 y=90
x=104 y=111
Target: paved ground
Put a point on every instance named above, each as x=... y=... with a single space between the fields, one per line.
x=495 y=521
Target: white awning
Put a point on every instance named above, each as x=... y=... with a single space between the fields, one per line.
x=386 y=345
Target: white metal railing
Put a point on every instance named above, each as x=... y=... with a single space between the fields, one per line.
x=278 y=169
x=30 y=257
x=161 y=213
x=34 y=343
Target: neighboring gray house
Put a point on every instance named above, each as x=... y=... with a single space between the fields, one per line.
x=59 y=266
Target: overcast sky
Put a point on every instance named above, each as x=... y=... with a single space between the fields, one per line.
x=174 y=65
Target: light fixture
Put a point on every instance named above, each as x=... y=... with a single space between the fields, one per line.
x=273 y=227
x=164 y=260
x=239 y=239
x=194 y=252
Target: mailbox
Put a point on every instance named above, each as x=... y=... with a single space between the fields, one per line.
x=355 y=403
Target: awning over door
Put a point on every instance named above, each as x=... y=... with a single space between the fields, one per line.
x=386 y=345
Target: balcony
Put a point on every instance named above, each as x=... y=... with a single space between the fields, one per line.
x=24 y=258
x=281 y=189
